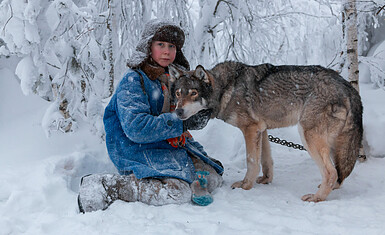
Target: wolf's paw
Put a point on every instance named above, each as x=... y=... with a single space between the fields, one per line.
x=245 y=184
x=311 y=198
x=237 y=184
x=336 y=185
x=264 y=180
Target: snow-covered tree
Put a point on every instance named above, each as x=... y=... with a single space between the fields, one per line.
x=371 y=44
x=72 y=53
x=266 y=31
x=64 y=57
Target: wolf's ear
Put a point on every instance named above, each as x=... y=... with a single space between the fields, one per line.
x=175 y=73
x=201 y=73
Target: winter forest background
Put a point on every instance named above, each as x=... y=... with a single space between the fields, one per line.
x=72 y=53
x=61 y=59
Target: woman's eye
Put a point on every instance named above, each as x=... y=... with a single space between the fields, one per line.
x=160 y=44
x=172 y=46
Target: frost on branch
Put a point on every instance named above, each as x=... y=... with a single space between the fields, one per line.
x=73 y=53
x=63 y=58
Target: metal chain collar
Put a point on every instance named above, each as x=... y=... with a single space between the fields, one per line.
x=286 y=143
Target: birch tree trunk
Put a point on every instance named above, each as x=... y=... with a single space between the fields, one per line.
x=111 y=27
x=352 y=52
x=352 y=43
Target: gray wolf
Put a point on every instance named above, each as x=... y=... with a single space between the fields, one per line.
x=326 y=108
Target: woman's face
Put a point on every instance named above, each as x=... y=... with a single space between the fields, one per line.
x=163 y=52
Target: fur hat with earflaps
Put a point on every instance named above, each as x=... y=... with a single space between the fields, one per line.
x=157 y=30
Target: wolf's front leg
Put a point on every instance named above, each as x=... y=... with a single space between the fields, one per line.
x=253 y=138
x=266 y=161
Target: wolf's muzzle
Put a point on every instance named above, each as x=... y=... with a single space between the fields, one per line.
x=179 y=112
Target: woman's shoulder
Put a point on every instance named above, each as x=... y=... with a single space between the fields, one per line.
x=131 y=74
x=132 y=80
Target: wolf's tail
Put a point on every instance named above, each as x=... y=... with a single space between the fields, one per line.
x=348 y=142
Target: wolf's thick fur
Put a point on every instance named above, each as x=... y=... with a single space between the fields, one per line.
x=327 y=109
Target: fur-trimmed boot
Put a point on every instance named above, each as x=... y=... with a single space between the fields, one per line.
x=97 y=192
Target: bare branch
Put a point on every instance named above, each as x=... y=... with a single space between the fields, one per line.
x=5 y=25
x=382 y=8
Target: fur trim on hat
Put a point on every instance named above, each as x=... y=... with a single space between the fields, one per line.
x=157 y=29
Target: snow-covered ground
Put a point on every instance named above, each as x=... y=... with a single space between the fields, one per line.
x=39 y=180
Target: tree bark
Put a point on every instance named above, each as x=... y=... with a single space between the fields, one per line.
x=111 y=31
x=352 y=43
x=350 y=17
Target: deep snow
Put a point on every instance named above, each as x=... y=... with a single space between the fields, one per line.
x=39 y=180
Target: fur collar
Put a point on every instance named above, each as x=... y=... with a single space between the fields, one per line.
x=152 y=71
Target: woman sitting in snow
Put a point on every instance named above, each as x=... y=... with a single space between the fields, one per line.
x=158 y=161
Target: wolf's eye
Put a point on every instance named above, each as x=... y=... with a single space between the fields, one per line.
x=177 y=94
x=194 y=93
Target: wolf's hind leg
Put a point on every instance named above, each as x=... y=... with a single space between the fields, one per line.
x=336 y=186
x=319 y=149
x=266 y=161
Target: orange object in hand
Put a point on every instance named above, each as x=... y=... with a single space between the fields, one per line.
x=179 y=141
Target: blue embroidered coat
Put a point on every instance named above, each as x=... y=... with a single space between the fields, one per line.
x=136 y=133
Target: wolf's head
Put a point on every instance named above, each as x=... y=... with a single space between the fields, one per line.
x=192 y=90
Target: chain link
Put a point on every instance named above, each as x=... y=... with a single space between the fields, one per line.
x=286 y=143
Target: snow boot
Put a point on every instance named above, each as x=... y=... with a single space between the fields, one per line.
x=218 y=163
x=97 y=192
x=200 y=195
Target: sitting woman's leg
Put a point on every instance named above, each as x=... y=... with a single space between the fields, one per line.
x=164 y=191
x=214 y=180
x=97 y=192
